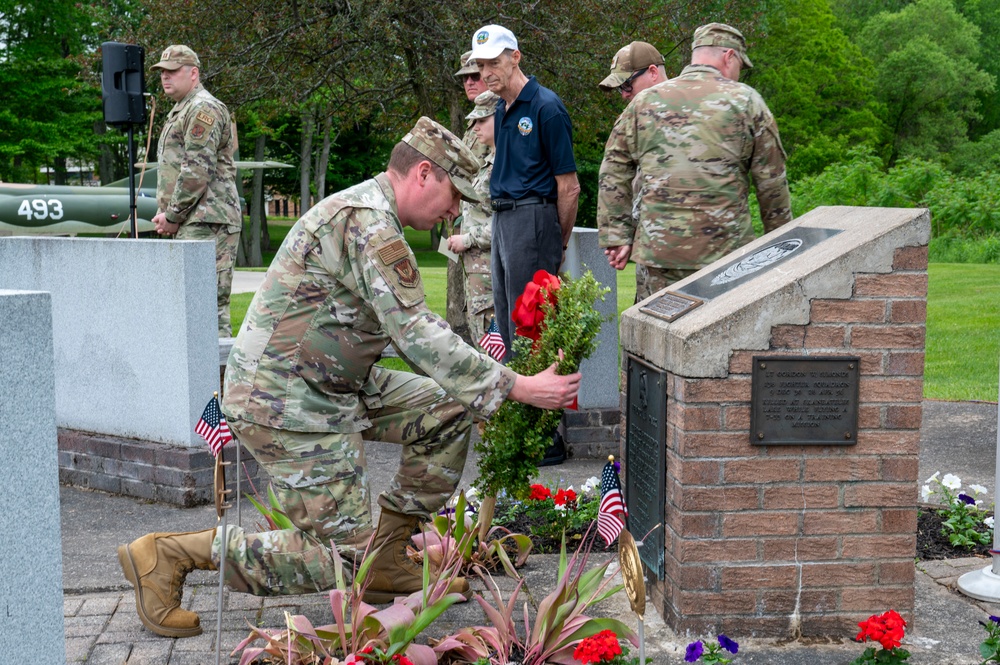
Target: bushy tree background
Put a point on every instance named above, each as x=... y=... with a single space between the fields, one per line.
x=879 y=102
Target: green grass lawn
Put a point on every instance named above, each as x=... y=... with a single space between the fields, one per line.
x=963 y=332
x=963 y=320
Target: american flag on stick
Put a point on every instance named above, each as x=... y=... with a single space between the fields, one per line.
x=492 y=342
x=610 y=514
x=212 y=426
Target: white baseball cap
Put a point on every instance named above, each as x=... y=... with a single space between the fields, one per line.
x=490 y=41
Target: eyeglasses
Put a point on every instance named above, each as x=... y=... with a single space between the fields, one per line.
x=627 y=85
x=470 y=77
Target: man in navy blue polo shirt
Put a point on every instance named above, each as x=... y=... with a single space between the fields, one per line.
x=534 y=188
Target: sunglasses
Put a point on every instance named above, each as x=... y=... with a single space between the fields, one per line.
x=470 y=77
x=627 y=85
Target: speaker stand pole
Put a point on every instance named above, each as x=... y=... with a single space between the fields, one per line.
x=131 y=182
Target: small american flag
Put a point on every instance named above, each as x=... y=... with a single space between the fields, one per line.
x=609 y=514
x=213 y=427
x=492 y=342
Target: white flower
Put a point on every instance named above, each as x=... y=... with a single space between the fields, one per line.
x=978 y=489
x=591 y=483
x=933 y=478
x=988 y=521
x=951 y=481
x=561 y=508
x=925 y=493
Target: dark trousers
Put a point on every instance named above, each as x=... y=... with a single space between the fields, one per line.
x=525 y=240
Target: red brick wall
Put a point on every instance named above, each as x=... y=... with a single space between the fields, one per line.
x=783 y=540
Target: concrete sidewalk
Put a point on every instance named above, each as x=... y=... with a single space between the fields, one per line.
x=102 y=626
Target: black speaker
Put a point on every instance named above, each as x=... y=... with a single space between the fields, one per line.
x=122 y=84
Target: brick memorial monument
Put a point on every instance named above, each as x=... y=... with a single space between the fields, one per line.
x=771 y=426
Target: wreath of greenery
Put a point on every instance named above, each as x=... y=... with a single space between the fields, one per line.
x=515 y=439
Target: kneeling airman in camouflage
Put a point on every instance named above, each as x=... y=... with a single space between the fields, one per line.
x=302 y=393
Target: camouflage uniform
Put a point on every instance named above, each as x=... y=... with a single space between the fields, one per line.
x=196 y=187
x=302 y=391
x=477 y=233
x=698 y=139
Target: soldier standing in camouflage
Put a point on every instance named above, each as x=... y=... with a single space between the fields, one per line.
x=698 y=139
x=303 y=392
x=473 y=244
x=196 y=186
x=474 y=86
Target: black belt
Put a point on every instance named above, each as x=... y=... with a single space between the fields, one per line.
x=514 y=204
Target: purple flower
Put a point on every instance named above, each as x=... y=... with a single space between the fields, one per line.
x=994 y=619
x=968 y=500
x=729 y=645
x=694 y=651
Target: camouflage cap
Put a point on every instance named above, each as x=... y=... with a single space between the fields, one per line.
x=725 y=36
x=628 y=60
x=468 y=65
x=447 y=151
x=177 y=56
x=486 y=105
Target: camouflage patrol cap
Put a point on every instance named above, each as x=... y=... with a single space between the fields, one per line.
x=628 y=60
x=722 y=35
x=177 y=56
x=468 y=65
x=486 y=105
x=447 y=151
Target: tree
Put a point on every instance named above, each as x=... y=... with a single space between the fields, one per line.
x=817 y=83
x=926 y=75
x=49 y=110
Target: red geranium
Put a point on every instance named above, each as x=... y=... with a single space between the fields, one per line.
x=540 y=493
x=528 y=314
x=886 y=629
x=563 y=496
x=598 y=648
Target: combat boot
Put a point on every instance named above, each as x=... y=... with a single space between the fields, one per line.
x=393 y=574
x=156 y=565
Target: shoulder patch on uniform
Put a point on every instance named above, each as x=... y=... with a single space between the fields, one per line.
x=201 y=116
x=197 y=131
x=407 y=272
x=393 y=252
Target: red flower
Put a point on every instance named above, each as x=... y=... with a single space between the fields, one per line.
x=539 y=493
x=563 y=496
x=887 y=629
x=528 y=314
x=402 y=660
x=602 y=647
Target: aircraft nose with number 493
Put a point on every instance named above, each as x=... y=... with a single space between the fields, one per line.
x=70 y=209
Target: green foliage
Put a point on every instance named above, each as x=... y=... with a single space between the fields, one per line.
x=817 y=83
x=552 y=514
x=989 y=648
x=960 y=206
x=926 y=75
x=963 y=512
x=516 y=437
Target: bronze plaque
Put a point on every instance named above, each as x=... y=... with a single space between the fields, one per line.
x=646 y=459
x=804 y=401
x=670 y=305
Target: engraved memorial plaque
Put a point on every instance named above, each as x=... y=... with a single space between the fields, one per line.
x=737 y=272
x=670 y=304
x=804 y=401
x=645 y=459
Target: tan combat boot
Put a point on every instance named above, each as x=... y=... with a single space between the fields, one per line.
x=392 y=573
x=156 y=565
